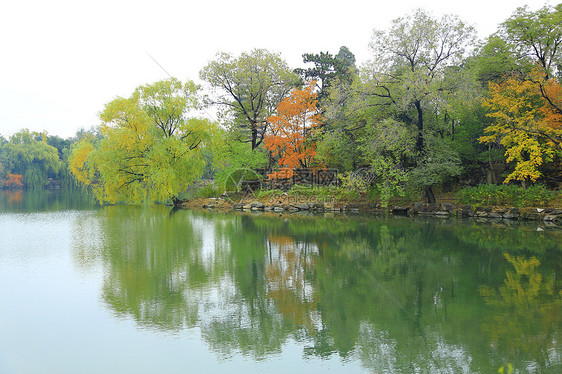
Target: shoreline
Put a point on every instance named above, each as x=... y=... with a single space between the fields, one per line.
x=551 y=215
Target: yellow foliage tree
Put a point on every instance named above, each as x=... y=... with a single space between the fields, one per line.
x=150 y=148
x=526 y=123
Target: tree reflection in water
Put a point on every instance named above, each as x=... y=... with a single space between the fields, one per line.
x=527 y=313
x=399 y=294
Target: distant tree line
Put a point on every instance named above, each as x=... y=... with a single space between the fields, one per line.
x=35 y=160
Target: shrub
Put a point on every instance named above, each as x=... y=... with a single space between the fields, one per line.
x=206 y=191
x=266 y=194
x=14 y=182
x=489 y=194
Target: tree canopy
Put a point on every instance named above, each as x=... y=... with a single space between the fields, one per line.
x=248 y=88
x=328 y=68
x=412 y=59
x=28 y=154
x=150 y=146
x=293 y=127
x=526 y=104
x=431 y=107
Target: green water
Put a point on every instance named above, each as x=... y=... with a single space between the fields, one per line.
x=121 y=289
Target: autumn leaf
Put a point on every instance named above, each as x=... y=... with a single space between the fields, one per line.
x=14 y=181
x=292 y=129
x=526 y=123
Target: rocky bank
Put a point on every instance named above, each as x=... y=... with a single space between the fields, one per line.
x=553 y=215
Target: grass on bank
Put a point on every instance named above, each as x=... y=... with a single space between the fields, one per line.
x=482 y=195
x=509 y=195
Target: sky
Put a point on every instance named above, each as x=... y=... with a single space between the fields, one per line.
x=61 y=61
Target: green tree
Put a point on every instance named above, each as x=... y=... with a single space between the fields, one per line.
x=388 y=145
x=230 y=158
x=494 y=60
x=328 y=68
x=346 y=112
x=438 y=165
x=414 y=73
x=338 y=144
x=411 y=61
x=3 y=170
x=59 y=143
x=346 y=59
x=150 y=147
x=248 y=89
x=536 y=37
x=27 y=153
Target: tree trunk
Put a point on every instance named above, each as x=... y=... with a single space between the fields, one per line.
x=429 y=194
x=421 y=148
x=177 y=202
x=419 y=143
x=254 y=137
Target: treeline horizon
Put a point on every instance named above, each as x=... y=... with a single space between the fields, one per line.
x=431 y=107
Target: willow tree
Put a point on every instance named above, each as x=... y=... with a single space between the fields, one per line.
x=150 y=148
x=28 y=154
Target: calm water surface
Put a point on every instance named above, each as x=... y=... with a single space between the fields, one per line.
x=120 y=289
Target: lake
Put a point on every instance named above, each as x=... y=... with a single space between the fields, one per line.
x=121 y=289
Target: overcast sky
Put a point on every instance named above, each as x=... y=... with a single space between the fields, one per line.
x=62 y=60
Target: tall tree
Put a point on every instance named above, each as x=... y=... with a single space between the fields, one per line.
x=536 y=36
x=388 y=145
x=412 y=58
x=248 y=88
x=525 y=102
x=536 y=39
x=328 y=68
x=414 y=72
x=150 y=147
x=3 y=161
x=494 y=60
x=345 y=114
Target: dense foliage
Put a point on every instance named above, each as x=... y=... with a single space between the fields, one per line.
x=507 y=195
x=31 y=160
x=292 y=128
x=148 y=149
x=431 y=107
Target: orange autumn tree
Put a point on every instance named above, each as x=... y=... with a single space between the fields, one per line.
x=14 y=181
x=291 y=130
x=527 y=121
